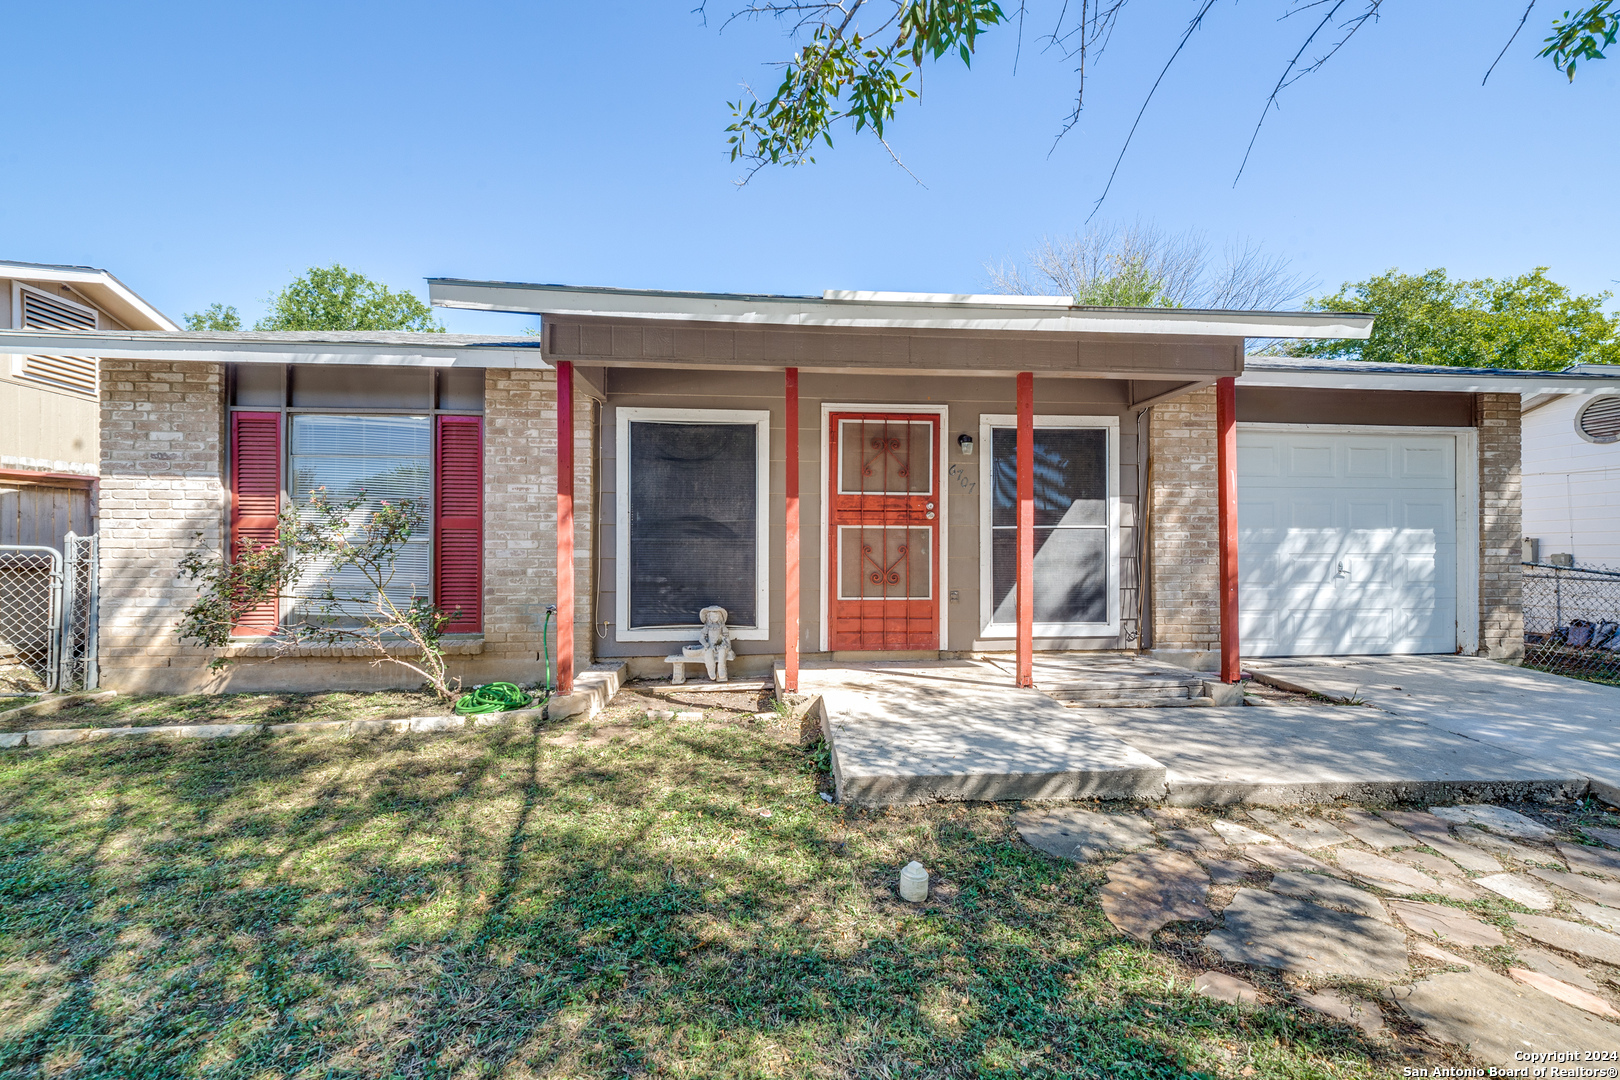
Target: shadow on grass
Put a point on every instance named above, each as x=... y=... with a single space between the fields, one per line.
x=490 y=904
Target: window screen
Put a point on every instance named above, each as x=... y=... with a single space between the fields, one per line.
x=693 y=522
x=1071 y=525
x=388 y=458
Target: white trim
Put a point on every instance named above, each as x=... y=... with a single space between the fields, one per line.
x=761 y=419
x=839 y=557
x=1464 y=382
x=937 y=311
x=1466 y=478
x=222 y=349
x=990 y=630
x=910 y=423
x=97 y=281
x=824 y=638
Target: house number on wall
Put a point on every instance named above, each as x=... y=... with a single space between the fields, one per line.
x=963 y=478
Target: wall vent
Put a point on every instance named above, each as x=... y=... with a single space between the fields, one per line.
x=40 y=311
x=1600 y=420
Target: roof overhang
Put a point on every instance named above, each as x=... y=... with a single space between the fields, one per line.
x=400 y=350
x=889 y=310
x=101 y=288
x=1463 y=381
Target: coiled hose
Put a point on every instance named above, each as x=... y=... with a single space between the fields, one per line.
x=493 y=697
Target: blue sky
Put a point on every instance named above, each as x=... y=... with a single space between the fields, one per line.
x=210 y=152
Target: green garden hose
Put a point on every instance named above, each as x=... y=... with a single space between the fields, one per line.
x=493 y=697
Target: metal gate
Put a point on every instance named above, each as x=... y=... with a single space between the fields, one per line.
x=30 y=616
x=48 y=611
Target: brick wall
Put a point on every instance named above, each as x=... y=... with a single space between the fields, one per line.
x=1501 y=610
x=162 y=427
x=520 y=517
x=163 y=462
x=1185 y=571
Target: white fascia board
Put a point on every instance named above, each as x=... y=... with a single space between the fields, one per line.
x=85 y=343
x=919 y=311
x=118 y=299
x=1471 y=383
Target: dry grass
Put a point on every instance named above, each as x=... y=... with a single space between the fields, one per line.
x=596 y=899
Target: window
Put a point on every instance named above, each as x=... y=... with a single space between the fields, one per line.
x=37 y=310
x=298 y=429
x=1076 y=526
x=692 y=527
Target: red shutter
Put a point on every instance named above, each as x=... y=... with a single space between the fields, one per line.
x=255 y=500
x=458 y=522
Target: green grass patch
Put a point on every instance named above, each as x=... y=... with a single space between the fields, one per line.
x=506 y=902
x=151 y=710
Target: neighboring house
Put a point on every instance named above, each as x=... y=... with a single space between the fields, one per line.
x=842 y=473
x=50 y=415
x=1572 y=475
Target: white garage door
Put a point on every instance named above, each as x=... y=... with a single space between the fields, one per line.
x=1347 y=544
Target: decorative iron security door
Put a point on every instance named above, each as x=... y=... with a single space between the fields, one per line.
x=883 y=531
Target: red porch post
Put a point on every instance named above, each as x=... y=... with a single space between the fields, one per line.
x=1026 y=529
x=565 y=526
x=1226 y=496
x=790 y=612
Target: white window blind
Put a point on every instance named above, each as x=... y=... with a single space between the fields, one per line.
x=76 y=374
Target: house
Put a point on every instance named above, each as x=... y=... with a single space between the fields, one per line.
x=49 y=409
x=853 y=475
x=1572 y=475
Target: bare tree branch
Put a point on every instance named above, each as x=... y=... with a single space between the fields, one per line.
x=1510 y=40
x=1282 y=81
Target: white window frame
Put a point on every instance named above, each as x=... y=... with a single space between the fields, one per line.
x=824 y=589
x=994 y=631
x=761 y=419
x=1466 y=478
x=19 y=362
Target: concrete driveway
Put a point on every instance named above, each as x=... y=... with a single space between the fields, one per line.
x=1564 y=722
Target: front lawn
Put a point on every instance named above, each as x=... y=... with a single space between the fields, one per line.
x=611 y=898
x=152 y=710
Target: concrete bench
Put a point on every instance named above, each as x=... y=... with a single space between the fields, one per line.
x=679 y=663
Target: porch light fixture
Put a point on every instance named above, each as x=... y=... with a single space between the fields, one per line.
x=964 y=443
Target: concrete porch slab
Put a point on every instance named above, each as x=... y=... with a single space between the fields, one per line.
x=1568 y=723
x=1293 y=756
x=957 y=730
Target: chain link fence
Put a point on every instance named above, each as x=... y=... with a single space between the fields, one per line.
x=1572 y=621
x=81 y=592
x=30 y=617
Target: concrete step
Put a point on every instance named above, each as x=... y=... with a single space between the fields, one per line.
x=1141 y=703
x=1127 y=691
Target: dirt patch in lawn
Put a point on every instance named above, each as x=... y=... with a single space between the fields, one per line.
x=153 y=710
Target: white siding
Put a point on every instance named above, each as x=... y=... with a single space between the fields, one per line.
x=1571 y=486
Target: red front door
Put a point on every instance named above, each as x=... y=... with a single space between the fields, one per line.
x=883 y=531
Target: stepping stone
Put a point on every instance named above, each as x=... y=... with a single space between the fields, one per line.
x=1556 y=966
x=1467 y=856
x=1330 y=892
x=1603 y=834
x=1590 y=859
x=1570 y=937
x=1387 y=873
x=1446 y=925
x=1148 y=890
x=1431 y=864
x=1192 y=840
x=1286 y=858
x=1300 y=830
x=1521 y=890
x=1228 y=988
x=1230 y=871
x=1265 y=930
x=1082 y=835
x=1346 y=1010
x=1374 y=831
x=1236 y=834
x=1496 y=1017
x=1602 y=892
x=1608 y=918
x=1501 y=847
x=1429 y=952
x=1569 y=995
x=1497 y=819
x=1165 y=817
x=1423 y=825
